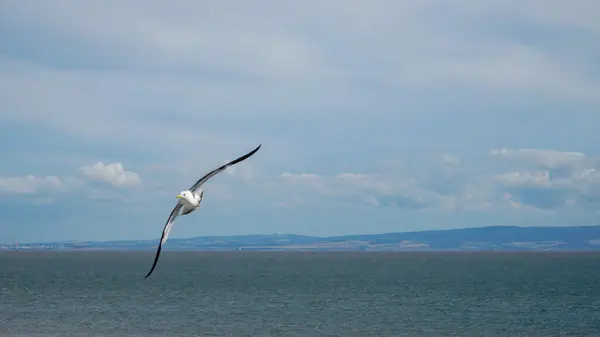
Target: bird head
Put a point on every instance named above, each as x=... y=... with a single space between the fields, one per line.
x=184 y=194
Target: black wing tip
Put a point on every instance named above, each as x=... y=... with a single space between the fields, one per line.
x=242 y=158
x=256 y=149
x=155 y=259
x=150 y=272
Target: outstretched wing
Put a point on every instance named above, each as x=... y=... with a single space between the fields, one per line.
x=165 y=234
x=214 y=172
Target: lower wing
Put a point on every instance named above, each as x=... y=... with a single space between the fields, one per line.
x=165 y=234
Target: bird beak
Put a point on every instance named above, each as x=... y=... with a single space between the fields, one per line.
x=178 y=196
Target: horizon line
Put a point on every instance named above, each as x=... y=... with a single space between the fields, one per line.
x=305 y=235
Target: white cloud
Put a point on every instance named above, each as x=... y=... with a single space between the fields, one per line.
x=546 y=180
x=548 y=159
x=29 y=184
x=114 y=174
x=549 y=181
x=373 y=189
x=450 y=159
x=541 y=179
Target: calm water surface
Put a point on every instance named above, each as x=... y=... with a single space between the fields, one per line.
x=299 y=294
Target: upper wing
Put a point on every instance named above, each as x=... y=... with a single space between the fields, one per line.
x=165 y=234
x=216 y=171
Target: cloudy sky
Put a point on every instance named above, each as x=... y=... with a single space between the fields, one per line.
x=375 y=116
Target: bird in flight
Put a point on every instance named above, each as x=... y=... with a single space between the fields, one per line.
x=189 y=201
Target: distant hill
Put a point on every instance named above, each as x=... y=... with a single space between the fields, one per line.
x=496 y=238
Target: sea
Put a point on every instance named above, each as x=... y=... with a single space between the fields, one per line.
x=72 y=293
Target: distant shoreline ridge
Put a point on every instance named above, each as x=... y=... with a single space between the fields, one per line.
x=489 y=238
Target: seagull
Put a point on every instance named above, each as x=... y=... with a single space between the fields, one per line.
x=189 y=201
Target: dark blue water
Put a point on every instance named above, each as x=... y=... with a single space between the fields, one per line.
x=299 y=294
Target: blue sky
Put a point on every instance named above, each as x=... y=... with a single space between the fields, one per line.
x=374 y=116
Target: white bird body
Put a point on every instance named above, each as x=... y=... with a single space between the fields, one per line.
x=190 y=200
